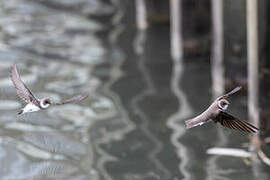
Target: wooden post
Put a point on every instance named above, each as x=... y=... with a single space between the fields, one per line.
x=253 y=61
x=217 y=49
x=176 y=30
x=141 y=15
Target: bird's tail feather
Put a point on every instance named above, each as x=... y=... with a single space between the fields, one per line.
x=191 y=123
x=195 y=122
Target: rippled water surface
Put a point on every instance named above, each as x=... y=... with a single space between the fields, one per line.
x=132 y=125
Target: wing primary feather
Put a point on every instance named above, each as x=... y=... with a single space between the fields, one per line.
x=22 y=90
x=252 y=126
x=231 y=125
x=254 y=129
x=232 y=91
x=241 y=127
x=236 y=126
x=72 y=100
x=225 y=123
x=229 y=121
x=245 y=125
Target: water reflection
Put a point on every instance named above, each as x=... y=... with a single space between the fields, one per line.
x=56 y=52
x=184 y=112
x=149 y=90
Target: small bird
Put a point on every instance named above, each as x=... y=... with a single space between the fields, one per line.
x=34 y=104
x=216 y=112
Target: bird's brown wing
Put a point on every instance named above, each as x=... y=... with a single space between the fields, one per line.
x=74 y=99
x=22 y=90
x=229 y=121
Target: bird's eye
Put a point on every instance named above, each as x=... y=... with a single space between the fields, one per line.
x=223 y=104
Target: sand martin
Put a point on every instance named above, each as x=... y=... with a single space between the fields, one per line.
x=216 y=112
x=34 y=104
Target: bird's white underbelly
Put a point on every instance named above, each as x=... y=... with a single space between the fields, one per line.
x=30 y=108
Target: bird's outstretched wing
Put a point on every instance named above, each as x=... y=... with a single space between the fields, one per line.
x=74 y=99
x=22 y=90
x=229 y=121
x=232 y=92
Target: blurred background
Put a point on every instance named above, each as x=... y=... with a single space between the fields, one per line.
x=148 y=66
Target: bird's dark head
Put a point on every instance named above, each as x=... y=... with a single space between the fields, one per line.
x=45 y=103
x=223 y=104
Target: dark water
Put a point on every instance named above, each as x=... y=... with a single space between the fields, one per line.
x=132 y=125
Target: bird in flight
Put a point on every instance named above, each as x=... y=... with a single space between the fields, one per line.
x=216 y=112
x=33 y=103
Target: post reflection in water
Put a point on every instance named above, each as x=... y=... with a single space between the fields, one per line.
x=176 y=120
x=148 y=90
x=145 y=93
